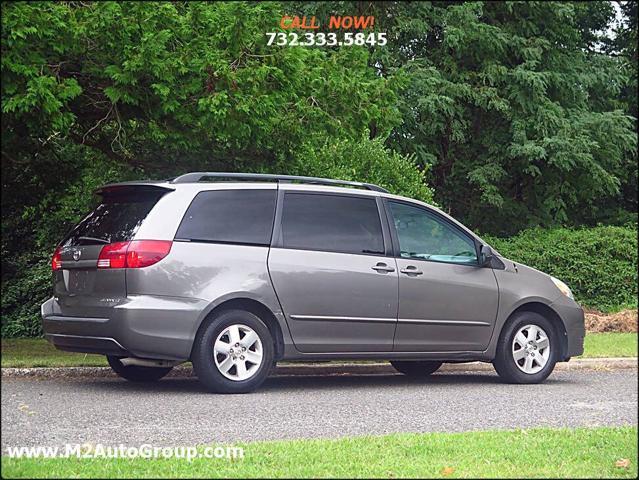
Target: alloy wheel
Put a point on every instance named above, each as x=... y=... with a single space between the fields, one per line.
x=237 y=352
x=531 y=349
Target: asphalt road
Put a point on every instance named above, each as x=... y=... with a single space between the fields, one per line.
x=175 y=411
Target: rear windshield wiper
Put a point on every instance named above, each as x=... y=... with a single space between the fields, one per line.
x=93 y=239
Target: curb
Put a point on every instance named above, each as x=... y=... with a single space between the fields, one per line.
x=321 y=368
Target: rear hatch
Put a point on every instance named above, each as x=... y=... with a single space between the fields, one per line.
x=83 y=288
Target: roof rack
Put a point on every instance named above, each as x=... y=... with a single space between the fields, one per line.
x=195 y=177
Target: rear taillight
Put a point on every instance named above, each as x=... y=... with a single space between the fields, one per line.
x=56 y=260
x=142 y=253
x=135 y=254
x=113 y=255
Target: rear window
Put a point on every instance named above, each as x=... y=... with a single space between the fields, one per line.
x=230 y=216
x=116 y=218
x=332 y=223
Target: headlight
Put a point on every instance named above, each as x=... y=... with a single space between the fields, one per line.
x=563 y=288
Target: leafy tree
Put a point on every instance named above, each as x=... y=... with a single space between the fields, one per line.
x=364 y=160
x=179 y=77
x=624 y=46
x=508 y=102
x=518 y=107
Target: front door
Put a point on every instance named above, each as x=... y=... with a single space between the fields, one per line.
x=447 y=302
x=328 y=264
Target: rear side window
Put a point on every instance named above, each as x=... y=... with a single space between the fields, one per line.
x=331 y=223
x=230 y=216
x=116 y=218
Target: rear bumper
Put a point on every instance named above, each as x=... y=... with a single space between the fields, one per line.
x=85 y=344
x=143 y=326
x=572 y=316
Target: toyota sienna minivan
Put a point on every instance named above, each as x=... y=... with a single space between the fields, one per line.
x=235 y=272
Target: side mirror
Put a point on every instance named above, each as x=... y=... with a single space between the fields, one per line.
x=486 y=256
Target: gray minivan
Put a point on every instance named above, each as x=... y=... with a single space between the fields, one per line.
x=235 y=272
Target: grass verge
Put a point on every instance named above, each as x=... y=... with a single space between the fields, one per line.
x=610 y=345
x=37 y=352
x=589 y=453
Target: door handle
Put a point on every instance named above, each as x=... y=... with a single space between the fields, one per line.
x=382 y=267
x=411 y=270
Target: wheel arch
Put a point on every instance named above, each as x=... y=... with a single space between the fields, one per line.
x=258 y=309
x=548 y=313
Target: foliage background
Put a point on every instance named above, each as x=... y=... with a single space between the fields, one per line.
x=599 y=264
x=509 y=115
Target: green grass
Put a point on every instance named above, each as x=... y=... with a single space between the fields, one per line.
x=610 y=345
x=37 y=352
x=590 y=453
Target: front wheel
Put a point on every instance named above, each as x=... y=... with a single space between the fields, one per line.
x=416 y=369
x=528 y=349
x=135 y=373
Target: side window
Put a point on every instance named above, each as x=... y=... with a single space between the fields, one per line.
x=423 y=235
x=332 y=223
x=230 y=216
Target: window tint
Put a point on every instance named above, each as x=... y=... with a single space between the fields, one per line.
x=230 y=216
x=424 y=236
x=116 y=218
x=331 y=223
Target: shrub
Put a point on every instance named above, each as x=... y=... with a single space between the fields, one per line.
x=26 y=276
x=362 y=160
x=599 y=264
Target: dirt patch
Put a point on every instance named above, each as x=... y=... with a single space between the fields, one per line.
x=624 y=321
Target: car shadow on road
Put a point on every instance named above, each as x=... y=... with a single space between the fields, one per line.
x=316 y=382
x=310 y=383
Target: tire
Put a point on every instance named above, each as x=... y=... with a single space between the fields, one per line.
x=541 y=363
x=229 y=365
x=135 y=373
x=416 y=369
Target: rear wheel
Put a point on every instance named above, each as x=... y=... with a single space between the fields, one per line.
x=416 y=369
x=135 y=373
x=233 y=352
x=528 y=349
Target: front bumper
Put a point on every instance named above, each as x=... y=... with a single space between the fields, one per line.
x=572 y=316
x=143 y=326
